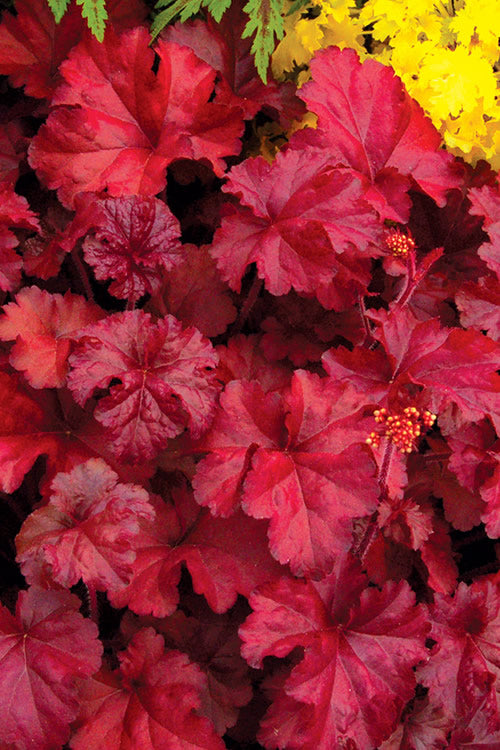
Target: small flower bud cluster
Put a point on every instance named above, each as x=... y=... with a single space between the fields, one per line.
x=403 y=428
x=399 y=244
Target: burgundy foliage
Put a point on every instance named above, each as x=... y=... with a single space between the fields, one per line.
x=249 y=409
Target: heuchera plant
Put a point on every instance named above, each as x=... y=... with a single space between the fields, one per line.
x=249 y=407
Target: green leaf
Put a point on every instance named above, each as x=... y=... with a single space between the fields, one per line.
x=95 y=13
x=266 y=22
x=217 y=8
x=58 y=8
x=186 y=9
x=297 y=5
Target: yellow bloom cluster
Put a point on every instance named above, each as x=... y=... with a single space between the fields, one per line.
x=446 y=53
x=315 y=26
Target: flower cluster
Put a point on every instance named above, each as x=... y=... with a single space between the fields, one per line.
x=399 y=244
x=402 y=428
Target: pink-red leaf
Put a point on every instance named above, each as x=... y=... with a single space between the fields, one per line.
x=14 y=212
x=87 y=530
x=356 y=674
x=166 y=379
x=150 y=702
x=225 y=557
x=465 y=663
x=304 y=471
x=109 y=132
x=43 y=649
x=368 y=122
x=299 y=218
x=486 y=202
x=44 y=326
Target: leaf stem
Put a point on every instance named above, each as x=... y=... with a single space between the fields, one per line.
x=83 y=275
x=92 y=603
x=249 y=302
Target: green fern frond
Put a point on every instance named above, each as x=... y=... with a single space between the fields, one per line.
x=95 y=13
x=266 y=21
x=58 y=8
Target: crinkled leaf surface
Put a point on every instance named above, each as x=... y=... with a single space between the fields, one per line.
x=166 y=380
x=43 y=326
x=297 y=215
x=87 y=530
x=43 y=649
x=356 y=674
x=132 y=240
x=295 y=462
x=117 y=125
x=151 y=702
x=368 y=122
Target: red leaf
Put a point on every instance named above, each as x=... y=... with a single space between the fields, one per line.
x=486 y=202
x=13 y=146
x=310 y=484
x=132 y=240
x=225 y=557
x=465 y=662
x=221 y=46
x=242 y=359
x=27 y=431
x=33 y=45
x=107 y=132
x=456 y=367
x=86 y=531
x=151 y=702
x=368 y=122
x=44 y=325
x=356 y=674
x=14 y=212
x=167 y=382
x=42 y=650
x=211 y=641
x=194 y=292
x=298 y=215
x=479 y=306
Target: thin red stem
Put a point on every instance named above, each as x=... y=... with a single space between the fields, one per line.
x=82 y=273
x=249 y=302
